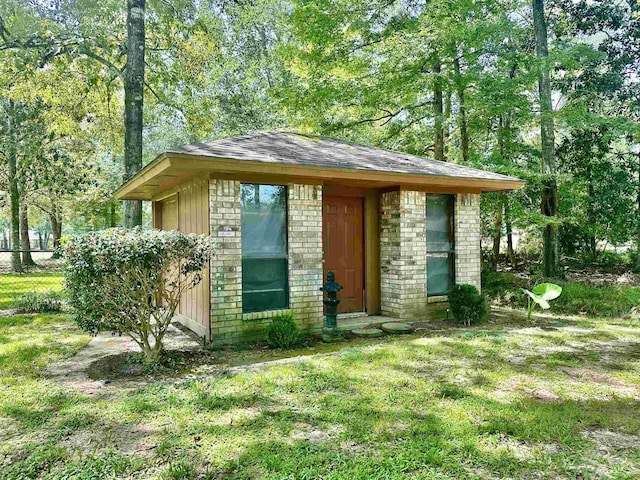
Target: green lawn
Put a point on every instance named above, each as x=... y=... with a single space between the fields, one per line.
x=487 y=402
x=12 y=284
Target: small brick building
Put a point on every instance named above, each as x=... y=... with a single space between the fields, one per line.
x=285 y=208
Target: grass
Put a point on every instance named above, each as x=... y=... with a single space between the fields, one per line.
x=492 y=401
x=13 y=285
x=576 y=298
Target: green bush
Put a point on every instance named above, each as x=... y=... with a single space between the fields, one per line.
x=132 y=280
x=34 y=302
x=467 y=305
x=504 y=289
x=283 y=332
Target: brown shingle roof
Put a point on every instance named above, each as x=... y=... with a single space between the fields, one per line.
x=301 y=149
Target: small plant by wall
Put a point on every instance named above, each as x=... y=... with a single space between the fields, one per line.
x=467 y=305
x=283 y=332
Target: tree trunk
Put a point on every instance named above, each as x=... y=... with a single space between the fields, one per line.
x=507 y=222
x=14 y=193
x=638 y=220
x=462 y=112
x=133 y=105
x=438 y=110
x=25 y=243
x=56 y=233
x=547 y=135
x=446 y=117
x=591 y=214
x=497 y=236
x=112 y=215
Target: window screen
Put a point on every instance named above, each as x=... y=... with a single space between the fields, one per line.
x=440 y=244
x=265 y=283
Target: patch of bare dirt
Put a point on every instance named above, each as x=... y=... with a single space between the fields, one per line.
x=592 y=376
x=314 y=434
x=602 y=278
x=128 y=365
x=610 y=440
x=542 y=394
x=135 y=440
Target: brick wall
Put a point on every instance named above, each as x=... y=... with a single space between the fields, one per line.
x=305 y=255
x=228 y=323
x=226 y=265
x=403 y=253
x=467 y=237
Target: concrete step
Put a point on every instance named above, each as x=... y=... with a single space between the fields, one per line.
x=367 y=332
x=373 y=321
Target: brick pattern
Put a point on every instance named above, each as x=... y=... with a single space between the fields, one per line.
x=228 y=323
x=403 y=253
x=402 y=257
x=305 y=255
x=390 y=255
x=467 y=237
x=226 y=265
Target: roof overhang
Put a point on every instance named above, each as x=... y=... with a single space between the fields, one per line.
x=171 y=169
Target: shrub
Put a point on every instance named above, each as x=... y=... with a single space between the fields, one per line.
x=283 y=332
x=34 y=302
x=132 y=280
x=467 y=305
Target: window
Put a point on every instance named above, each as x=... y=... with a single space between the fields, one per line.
x=440 y=244
x=265 y=282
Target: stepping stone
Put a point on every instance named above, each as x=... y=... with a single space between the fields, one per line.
x=396 y=327
x=367 y=332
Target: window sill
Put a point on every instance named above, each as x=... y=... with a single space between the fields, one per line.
x=264 y=314
x=437 y=299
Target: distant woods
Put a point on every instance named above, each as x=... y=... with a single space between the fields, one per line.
x=539 y=89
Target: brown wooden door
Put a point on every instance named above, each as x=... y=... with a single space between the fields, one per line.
x=343 y=237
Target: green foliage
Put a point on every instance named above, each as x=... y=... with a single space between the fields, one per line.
x=609 y=301
x=467 y=305
x=182 y=469
x=283 y=332
x=132 y=280
x=38 y=302
x=602 y=301
x=541 y=295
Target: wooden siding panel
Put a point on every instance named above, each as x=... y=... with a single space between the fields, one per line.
x=188 y=211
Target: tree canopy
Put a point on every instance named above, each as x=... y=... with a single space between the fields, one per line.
x=477 y=83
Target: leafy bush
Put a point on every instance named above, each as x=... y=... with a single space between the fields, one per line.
x=38 y=302
x=467 y=305
x=132 y=280
x=577 y=298
x=606 y=301
x=283 y=332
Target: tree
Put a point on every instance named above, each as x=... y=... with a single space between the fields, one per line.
x=14 y=194
x=549 y=203
x=22 y=137
x=25 y=242
x=133 y=104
